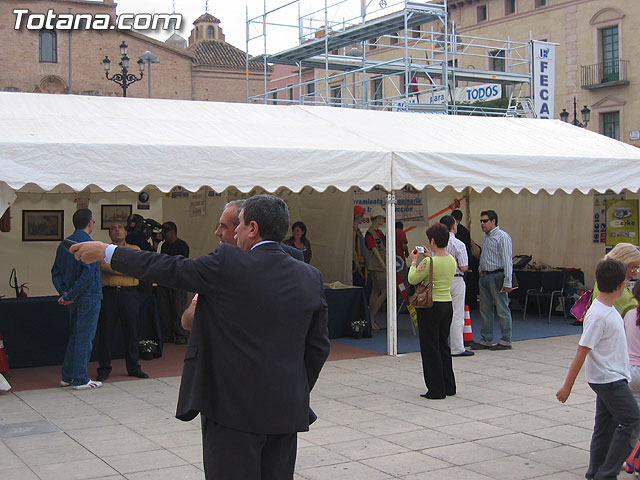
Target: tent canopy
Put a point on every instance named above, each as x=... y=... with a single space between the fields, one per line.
x=115 y=143
x=53 y=140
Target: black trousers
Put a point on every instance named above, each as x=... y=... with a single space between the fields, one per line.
x=433 y=326
x=171 y=305
x=122 y=305
x=234 y=455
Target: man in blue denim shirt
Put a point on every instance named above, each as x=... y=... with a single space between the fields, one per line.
x=80 y=289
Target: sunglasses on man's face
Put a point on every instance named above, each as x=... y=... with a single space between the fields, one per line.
x=484 y=220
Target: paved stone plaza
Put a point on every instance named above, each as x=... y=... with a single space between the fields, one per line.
x=504 y=423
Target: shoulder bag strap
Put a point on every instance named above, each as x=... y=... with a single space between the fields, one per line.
x=424 y=282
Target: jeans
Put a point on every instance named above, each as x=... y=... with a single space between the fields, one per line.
x=615 y=431
x=83 y=320
x=493 y=302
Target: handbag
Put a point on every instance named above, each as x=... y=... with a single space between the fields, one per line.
x=580 y=308
x=423 y=296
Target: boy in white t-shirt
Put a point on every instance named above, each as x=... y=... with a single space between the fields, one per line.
x=604 y=347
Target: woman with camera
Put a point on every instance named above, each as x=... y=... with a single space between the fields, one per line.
x=434 y=322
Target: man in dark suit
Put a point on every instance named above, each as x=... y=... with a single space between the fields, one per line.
x=226 y=232
x=471 y=276
x=462 y=233
x=258 y=344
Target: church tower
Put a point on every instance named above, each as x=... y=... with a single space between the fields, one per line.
x=206 y=27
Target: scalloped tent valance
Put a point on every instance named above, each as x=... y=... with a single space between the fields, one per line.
x=52 y=140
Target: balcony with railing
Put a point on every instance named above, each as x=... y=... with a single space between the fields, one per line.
x=606 y=74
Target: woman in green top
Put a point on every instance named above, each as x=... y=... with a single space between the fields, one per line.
x=630 y=256
x=434 y=323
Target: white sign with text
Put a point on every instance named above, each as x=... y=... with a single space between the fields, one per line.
x=475 y=93
x=544 y=66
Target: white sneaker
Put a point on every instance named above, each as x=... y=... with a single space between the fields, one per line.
x=88 y=385
x=64 y=384
x=5 y=386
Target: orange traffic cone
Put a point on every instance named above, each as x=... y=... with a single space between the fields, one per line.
x=4 y=363
x=467 y=333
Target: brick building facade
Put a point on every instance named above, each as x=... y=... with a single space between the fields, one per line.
x=595 y=59
x=204 y=68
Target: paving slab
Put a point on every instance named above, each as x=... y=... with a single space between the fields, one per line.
x=504 y=423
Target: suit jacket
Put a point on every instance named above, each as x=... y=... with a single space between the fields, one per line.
x=465 y=237
x=293 y=251
x=259 y=336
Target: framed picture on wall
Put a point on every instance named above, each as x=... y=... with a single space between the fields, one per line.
x=42 y=225
x=114 y=214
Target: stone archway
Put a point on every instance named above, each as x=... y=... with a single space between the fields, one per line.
x=51 y=84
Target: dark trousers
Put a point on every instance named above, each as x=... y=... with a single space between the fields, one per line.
x=234 y=455
x=434 y=324
x=171 y=305
x=615 y=431
x=117 y=305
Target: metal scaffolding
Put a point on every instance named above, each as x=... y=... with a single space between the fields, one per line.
x=402 y=55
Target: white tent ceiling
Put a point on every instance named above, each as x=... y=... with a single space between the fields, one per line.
x=53 y=140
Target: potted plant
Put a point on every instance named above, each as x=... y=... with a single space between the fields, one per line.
x=147 y=349
x=358 y=327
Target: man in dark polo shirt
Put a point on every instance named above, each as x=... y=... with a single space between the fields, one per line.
x=172 y=301
x=119 y=302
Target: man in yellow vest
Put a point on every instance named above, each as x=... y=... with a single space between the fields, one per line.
x=120 y=302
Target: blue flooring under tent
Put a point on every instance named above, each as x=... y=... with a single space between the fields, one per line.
x=533 y=326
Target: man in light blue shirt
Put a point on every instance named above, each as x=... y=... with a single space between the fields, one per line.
x=496 y=275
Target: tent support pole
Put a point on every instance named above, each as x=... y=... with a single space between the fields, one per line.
x=392 y=314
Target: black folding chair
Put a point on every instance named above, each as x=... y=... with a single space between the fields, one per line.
x=551 y=291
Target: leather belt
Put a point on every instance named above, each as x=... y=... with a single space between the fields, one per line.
x=118 y=288
x=489 y=272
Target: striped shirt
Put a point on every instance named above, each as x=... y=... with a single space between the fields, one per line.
x=457 y=250
x=496 y=254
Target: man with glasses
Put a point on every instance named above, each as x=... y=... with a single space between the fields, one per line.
x=80 y=288
x=496 y=275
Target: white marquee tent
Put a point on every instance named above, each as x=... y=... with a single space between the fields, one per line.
x=115 y=143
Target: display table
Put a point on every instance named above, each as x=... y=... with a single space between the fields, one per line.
x=36 y=330
x=345 y=306
x=534 y=279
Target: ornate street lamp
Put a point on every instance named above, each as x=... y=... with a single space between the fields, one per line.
x=585 y=112
x=124 y=78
